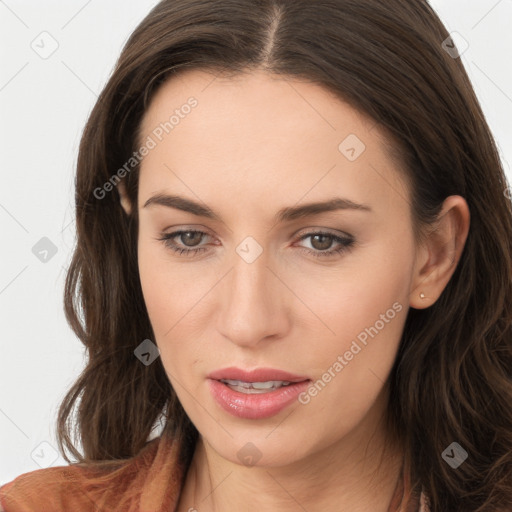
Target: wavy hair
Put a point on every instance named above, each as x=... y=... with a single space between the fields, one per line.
x=452 y=378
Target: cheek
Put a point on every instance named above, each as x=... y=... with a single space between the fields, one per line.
x=156 y=288
x=353 y=297
x=165 y=284
x=173 y=294
x=366 y=307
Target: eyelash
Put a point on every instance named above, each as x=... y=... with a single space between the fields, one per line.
x=346 y=243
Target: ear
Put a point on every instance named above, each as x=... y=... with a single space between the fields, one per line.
x=125 y=202
x=437 y=258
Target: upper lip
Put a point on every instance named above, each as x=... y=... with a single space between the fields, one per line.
x=257 y=375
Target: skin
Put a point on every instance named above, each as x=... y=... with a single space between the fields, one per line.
x=253 y=145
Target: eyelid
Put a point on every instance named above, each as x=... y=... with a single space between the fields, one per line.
x=326 y=231
x=312 y=230
x=345 y=243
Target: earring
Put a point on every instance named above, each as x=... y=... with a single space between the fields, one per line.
x=422 y=295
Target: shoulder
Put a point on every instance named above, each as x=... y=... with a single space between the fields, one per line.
x=80 y=487
x=52 y=486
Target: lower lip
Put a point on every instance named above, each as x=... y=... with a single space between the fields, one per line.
x=255 y=406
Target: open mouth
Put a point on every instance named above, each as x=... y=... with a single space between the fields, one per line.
x=256 y=400
x=255 y=387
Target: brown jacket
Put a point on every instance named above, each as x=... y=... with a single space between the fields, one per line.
x=149 y=482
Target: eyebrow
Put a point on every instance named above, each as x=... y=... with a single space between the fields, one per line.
x=284 y=215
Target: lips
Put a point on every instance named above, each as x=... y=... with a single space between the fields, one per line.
x=258 y=375
x=245 y=400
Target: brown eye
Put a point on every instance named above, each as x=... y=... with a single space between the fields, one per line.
x=191 y=238
x=187 y=242
x=321 y=244
x=186 y=238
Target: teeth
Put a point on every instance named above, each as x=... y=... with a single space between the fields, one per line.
x=254 y=387
x=269 y=384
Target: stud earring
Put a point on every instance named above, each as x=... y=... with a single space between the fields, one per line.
x=422 y=295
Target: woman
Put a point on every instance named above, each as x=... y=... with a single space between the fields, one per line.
x=294 y=247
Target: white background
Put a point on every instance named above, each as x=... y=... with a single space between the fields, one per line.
x=44 y=104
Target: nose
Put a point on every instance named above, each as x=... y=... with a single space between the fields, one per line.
x=253 y=304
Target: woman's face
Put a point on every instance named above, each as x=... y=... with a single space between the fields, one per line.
x=275 y=284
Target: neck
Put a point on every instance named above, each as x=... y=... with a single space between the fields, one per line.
x=357 y=473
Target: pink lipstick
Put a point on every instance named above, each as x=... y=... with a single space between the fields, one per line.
x=255 y=394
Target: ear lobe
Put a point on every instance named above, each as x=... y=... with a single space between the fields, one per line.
x=125 y=202
x=441 y=253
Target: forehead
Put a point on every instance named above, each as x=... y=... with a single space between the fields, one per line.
x=260 y=102
x=261 y=132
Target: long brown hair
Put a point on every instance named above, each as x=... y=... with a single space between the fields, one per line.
x=452 y=379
